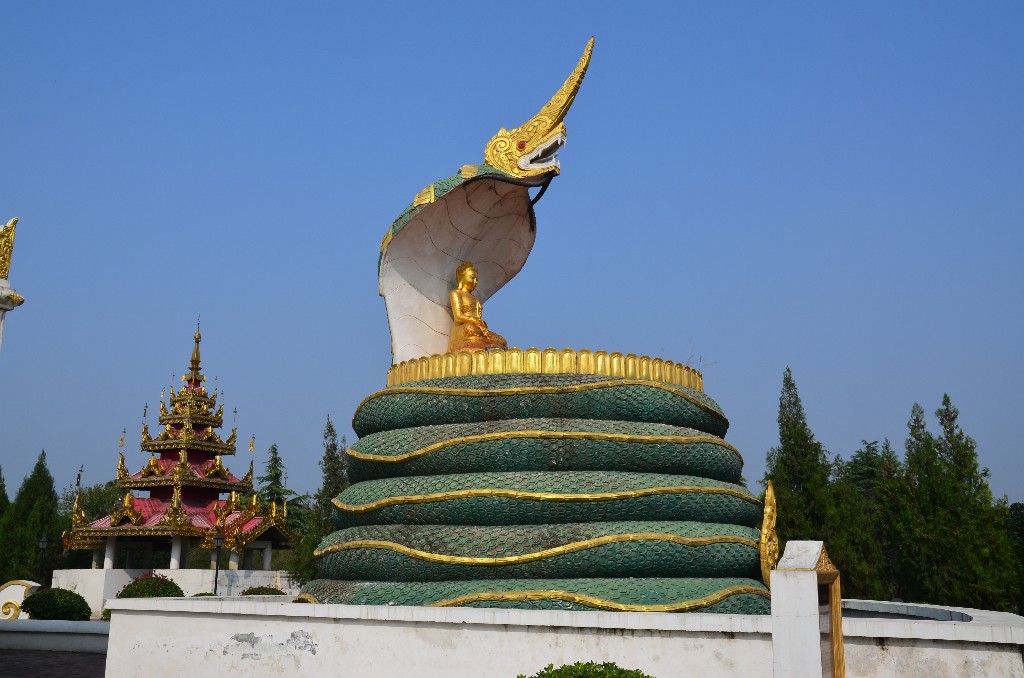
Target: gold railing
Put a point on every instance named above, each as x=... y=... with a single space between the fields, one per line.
x=546 y=361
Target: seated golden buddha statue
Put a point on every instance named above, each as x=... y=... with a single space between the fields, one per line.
x=469 y=331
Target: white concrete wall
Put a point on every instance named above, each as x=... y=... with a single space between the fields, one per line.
x=97 y=586
x=218 y=638
x=271 y=637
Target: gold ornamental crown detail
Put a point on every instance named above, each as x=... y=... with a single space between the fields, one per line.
x=546 y=361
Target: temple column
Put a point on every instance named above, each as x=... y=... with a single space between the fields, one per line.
x=233 y=560
x=109 y=553
x=176 y=553
x=266 y=556
x=97 y=559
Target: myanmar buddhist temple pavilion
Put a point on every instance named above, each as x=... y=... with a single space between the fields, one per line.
x=193 y=496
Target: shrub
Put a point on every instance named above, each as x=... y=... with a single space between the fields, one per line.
x=588 y=670
x=203 y=594
x=57 y=604
x=106 y=615
x=151 y=585
x=262 y=591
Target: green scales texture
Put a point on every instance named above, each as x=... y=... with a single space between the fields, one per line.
x=520 y=467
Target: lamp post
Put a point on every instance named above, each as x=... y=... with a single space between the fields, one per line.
x=43 y=544
x=218 y=541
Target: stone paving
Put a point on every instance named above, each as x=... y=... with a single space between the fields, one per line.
x=44 y=664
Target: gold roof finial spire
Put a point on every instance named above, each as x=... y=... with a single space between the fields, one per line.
x=195 y=365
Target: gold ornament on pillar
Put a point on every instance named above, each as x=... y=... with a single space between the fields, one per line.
x=7 y=247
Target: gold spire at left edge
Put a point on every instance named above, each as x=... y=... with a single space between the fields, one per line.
x=7 y=247
x=530 y=149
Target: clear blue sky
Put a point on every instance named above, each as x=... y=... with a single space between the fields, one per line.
x=837 y=188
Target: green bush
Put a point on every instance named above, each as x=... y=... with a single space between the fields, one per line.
x=106 y=615
x=203 y=594
x=588 y=670
x=151 y=585
x=57 y=604
x=262 y=591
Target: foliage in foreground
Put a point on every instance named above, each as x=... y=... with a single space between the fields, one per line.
x=57 y=604
x=151 y=585
x=262 y=591
x=588 y=670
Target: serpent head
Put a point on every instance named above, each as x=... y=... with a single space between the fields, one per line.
x=532 y=148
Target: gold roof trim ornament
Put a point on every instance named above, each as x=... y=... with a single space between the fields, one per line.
x=125 y=510
x=176 y=515
x=768 y=544
x=77 y=512
x=217 y=468
x=532 y=148
x=122 y=469
x=546 y=361
x=7 y=248
x=152 y=468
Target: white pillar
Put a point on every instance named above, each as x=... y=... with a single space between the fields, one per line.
x=233 y=560
x=109 y=553
x=266 y=556
x=176 y=553
x=97 y=559
x=802 y=643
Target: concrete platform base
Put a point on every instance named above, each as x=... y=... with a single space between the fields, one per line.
x=272 y=636
x=97 y=586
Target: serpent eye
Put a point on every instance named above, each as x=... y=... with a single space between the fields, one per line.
x=521 y=145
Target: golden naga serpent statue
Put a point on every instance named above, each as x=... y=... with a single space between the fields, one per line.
x=484 y=215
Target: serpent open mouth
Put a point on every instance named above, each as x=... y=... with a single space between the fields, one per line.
x=545 y=156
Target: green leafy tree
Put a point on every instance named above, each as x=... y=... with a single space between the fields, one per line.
x=31 y=516
x=334 y=470
x=96 y=500
x=954 y=548
x=1015 y=526
x=800 y=469
x=853 y=528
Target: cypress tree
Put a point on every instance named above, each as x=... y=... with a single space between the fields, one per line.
x=954 y=548
x=334 y=469
x=4 y=501
x=800 y=470
x=31 y=516
x=271 y=488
